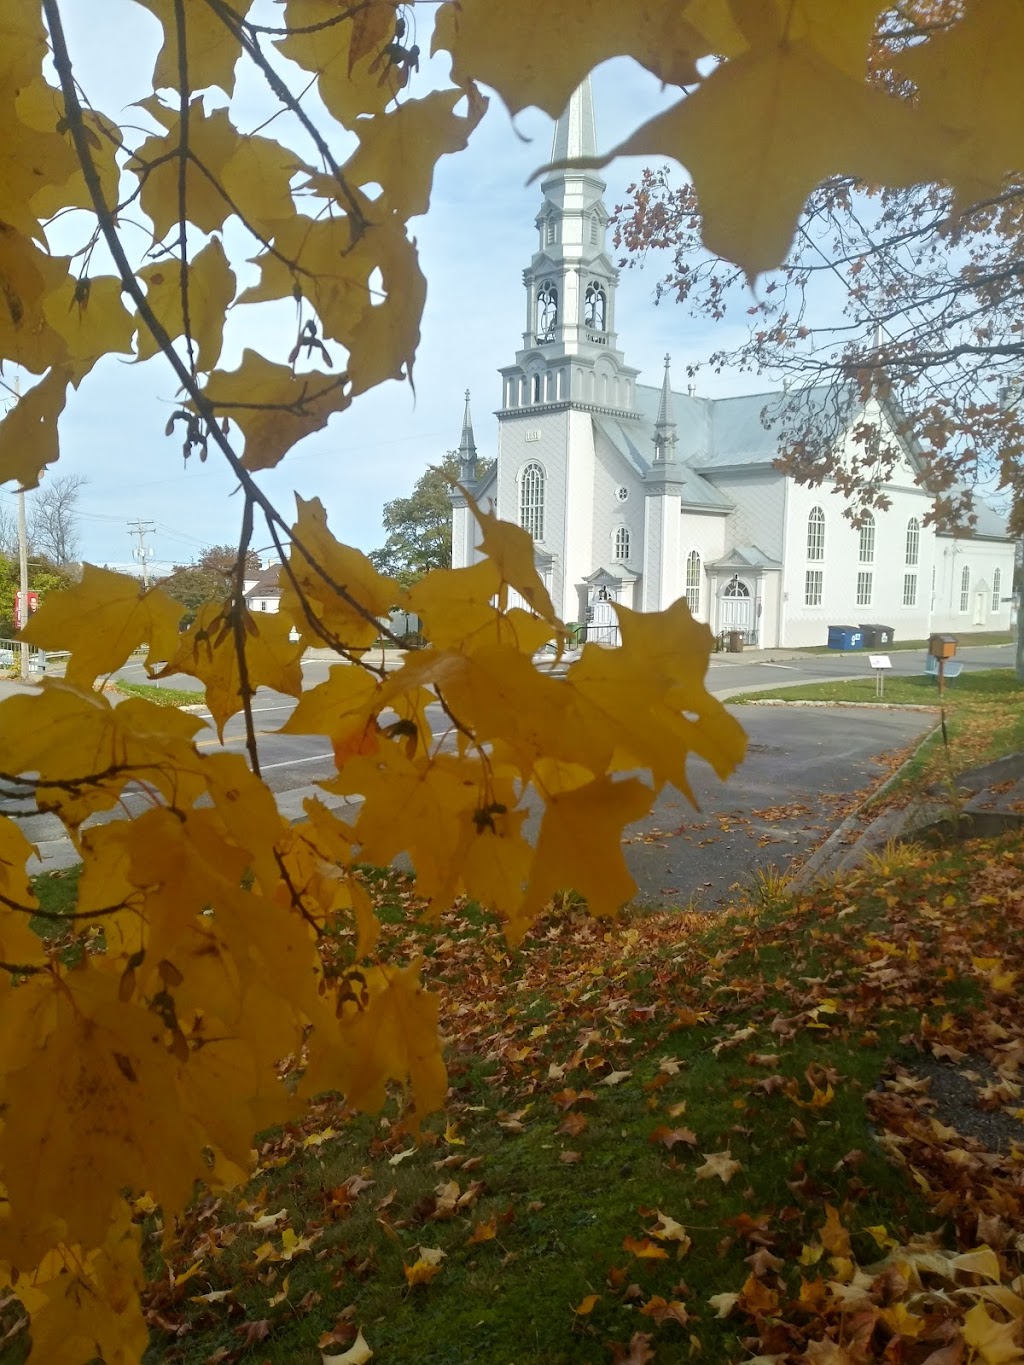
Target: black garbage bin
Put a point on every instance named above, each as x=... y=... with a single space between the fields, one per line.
x=877 y=637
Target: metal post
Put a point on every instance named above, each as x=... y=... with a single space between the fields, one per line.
x=942 y=675
x=23 y=564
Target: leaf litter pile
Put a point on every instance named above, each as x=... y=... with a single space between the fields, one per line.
x=791 y=1132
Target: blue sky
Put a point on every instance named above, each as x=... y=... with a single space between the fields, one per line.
x=474 y=243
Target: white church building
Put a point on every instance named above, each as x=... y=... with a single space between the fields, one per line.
x=639 y=495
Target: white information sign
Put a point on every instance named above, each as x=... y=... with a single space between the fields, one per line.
x=879 y=661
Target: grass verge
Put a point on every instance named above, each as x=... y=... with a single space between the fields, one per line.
x=163 y=696
x=982 y=712
x=679 y=1137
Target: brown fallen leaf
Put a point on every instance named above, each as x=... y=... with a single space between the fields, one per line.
x=720 y=1164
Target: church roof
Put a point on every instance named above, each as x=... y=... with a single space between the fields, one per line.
x=745 y=557
x=635 y=442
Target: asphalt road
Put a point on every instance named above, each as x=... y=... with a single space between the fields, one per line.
x=804 y=769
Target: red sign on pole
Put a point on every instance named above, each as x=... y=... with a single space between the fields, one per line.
x=20 y=615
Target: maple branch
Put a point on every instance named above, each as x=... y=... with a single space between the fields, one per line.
x=184 y=113
x=249 y=44
x=108 y=227
x=238 y=612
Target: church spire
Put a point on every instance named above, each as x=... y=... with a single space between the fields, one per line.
x=576 y=131
x=467 y=447
x=665 y=435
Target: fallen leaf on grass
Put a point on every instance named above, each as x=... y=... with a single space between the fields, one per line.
x=615 y=1078
x=644 y=1248
x=586 y=1305
x=668 y=1137
x=666 y=1229
x=570 y=1158
x=399 y=1157
x=573 y=1124
x=638 y=1352
x=719 y=1164
x=357 y=1354
x=485 y=1231
x=994 y=1341
x=425 y=1267
x=665 y=1310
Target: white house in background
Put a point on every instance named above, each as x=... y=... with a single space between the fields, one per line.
x=264 y=593
x=636 y=494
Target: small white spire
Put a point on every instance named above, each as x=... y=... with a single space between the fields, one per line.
x=467 y=446
x=665 y=436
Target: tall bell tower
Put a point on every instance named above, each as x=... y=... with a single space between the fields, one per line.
x=569 y=352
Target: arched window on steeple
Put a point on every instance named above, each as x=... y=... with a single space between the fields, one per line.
x=531 y=500
x=536 y=388
x=594 y=306
x=547 y=311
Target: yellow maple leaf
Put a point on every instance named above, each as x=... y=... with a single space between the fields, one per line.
x=210 y=282
x=212 y=47
x=28 y=431
x=353 y=77
x=357 y=1354
x=997 y=1343
x=102 y=620
x=208 y=650
x=538 y=53
x=274 y=407
x=253 y=172
x=18 y=944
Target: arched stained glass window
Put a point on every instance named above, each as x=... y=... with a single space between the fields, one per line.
x=913 y=541
x=693 y=582
x=816 y=534
x=622 y=544
x=531 y=500
x=866 y=553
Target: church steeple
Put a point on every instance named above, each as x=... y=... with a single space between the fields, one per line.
x=467 y=448
x=665 y=434
x=569 y=351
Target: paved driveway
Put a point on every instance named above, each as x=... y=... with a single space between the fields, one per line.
x=805 y=768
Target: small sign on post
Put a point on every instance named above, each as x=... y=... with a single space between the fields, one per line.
x=880 y=663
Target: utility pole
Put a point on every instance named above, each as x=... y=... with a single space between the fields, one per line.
x=143 y=553
x=23 y=565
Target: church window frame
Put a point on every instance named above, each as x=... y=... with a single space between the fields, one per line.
x=965 y=588
x=595 y=307
x=813 y=587
x=547 y=311
x=913 y=550
x=866 y=546
x=532 y=487
x=692 y=581
x=535 y=388
x=622 y=545
x=997 y=588
x=815 y=536
x=550 y=230
x=910 y=589
x=865 y=587
x=595 y=230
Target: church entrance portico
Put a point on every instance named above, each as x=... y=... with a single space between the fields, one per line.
x=736 y=609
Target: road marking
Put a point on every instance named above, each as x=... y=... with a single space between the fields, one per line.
x=291 y=762
x=791 y=667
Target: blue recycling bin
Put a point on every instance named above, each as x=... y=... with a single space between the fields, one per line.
x=845 y=637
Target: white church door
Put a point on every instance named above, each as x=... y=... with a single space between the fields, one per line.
x=736 y=608
x=602 y=623
x=981 y=595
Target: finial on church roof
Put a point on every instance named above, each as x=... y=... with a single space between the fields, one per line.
x=467 y=446
x=576 y=130
x=665 y=427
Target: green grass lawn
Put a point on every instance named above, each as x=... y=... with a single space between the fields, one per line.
x=981 y=637
x=163 y=696
x=593 y=1074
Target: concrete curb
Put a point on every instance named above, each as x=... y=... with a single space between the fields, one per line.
x=859 y=705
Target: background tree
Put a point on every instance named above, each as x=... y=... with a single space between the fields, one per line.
x=419 y=527
x=207 y=579
x=53 y=529
x=43 y=578
x=909 y=296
